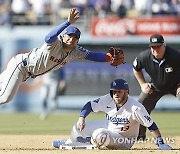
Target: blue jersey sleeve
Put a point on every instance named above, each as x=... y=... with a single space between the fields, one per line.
x=52 y=36
x=86 y=110
x=96 y=56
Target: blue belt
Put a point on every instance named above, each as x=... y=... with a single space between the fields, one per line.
x=25 y=64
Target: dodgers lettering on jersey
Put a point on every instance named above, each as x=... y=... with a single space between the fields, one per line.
x=115 y=120
x=127 y=119
x=51 y=57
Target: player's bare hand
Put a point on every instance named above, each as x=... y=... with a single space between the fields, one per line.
x=73 y=16
x=178 y=90
x=147 y=88
x=81 y=123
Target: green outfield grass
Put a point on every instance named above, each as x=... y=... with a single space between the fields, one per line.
x=61 y=123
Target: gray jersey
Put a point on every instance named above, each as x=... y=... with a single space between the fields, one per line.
x=51 y=57
x=37 y=62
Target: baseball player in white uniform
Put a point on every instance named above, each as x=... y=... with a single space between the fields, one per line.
x=123 y=118
x=56 y=51
x=54 y=84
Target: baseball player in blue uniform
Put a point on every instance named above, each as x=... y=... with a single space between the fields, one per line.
x=56 y=51
x=120 y=129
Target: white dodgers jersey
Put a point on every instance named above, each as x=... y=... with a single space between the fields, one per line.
x=126 y=119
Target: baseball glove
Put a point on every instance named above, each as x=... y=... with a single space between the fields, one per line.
x=117 y=56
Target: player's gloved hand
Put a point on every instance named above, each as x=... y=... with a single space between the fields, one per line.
x=161 y=145
x=117 y=56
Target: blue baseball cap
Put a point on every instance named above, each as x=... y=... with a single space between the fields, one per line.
x=73 y=30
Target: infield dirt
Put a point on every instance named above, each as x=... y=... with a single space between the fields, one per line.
x=41 y=144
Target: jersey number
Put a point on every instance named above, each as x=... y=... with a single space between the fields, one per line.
x=124 y=128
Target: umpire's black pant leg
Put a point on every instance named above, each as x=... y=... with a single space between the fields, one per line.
x=149 y=102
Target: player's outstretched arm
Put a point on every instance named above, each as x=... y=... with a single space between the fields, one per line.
x=83 y=114
x=142 y=116
x=115 y=56
x=159 y=140
x=52 y=36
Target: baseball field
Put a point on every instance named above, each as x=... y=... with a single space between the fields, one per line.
x=24 y=133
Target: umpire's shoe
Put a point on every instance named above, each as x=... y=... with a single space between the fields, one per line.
x=57 y=143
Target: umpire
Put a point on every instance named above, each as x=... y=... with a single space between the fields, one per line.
x=162 y=63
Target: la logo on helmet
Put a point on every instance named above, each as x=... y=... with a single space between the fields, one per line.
x=114 y=83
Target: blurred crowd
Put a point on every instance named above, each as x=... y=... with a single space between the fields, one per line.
x=46 y=12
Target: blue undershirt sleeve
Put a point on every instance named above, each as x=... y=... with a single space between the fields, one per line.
x=52 y=36
x=96 y=56
x=153 y=127
x=86 y=110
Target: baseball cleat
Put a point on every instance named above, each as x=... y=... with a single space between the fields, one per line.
x=58 y=143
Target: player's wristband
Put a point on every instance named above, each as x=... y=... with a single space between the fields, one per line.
x=153 y=127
